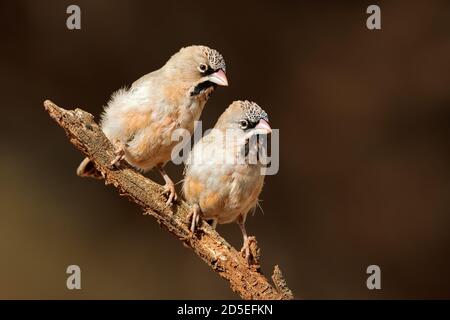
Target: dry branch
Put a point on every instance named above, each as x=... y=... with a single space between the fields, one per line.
x=245 y=280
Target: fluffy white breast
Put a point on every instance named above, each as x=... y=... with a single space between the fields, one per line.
x=223 y=188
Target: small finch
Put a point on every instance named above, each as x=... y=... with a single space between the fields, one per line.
x=221 y=183
x=139 y=121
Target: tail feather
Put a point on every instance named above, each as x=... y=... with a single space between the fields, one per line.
x=87 y=169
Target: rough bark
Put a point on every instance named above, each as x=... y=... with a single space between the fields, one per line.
x=246 y=280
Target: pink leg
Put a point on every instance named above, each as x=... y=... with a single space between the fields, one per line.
x=169 y=187
x=120 y=154
x=246 y=246
x=195 y=216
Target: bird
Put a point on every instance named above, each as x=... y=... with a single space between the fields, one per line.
x=221 y=183
x=139 y=120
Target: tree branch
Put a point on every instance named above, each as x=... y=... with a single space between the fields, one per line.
x=246 y=280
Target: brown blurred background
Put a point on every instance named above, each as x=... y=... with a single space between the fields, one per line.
x=364 y=126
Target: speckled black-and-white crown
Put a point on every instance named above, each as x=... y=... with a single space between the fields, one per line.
x=253 y=112
x=215 y=59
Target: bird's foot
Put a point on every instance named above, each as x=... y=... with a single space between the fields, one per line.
x=169 y=190
x=251 y=252
x=246 y=250
x=169 y=187
x=119 y=156
x=194 y=218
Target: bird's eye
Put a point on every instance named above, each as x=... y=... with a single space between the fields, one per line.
x=202 y=67
x=243 y=124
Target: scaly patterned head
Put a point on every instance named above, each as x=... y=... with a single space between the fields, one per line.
x=215 y=59
x=246 y=116
x=201 y=67
x=253 y=112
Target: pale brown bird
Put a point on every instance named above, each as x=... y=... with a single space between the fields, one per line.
x=139 y=121
x=221 y=183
